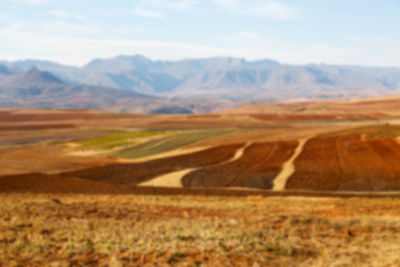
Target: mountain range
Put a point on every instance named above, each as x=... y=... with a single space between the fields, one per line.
x=139 y=84
x=41 y=89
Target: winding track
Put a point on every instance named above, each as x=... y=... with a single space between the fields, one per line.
x=288 y=167
x=174 y=179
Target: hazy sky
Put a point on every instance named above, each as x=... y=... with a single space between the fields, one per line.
x=362 y=32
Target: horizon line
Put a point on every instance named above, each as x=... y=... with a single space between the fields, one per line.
x=194 y=58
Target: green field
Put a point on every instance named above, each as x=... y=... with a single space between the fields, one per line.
x=169 y=143
x=116 y=140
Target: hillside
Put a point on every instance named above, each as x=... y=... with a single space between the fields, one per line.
x=225 y=77
x=383 y=106
x=37 y=89
x=41 y=89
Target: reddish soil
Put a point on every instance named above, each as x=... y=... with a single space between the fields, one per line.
x=257 y=168
x=27 y=127
x=204 y=116
x=315 y=116
x=136 y=173
x=337 y=162
x=198 y=123
x=317 y=166
x=347 y=163
x=43 y=183
x=9 y=117
x=44 y=158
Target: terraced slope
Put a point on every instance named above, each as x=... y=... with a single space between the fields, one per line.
x=257 y=168
x=136 y=173
x=347 y=163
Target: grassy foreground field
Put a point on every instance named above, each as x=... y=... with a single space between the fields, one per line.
x=118 y=230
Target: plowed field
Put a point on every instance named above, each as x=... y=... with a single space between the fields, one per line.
x=257 y=168
x=139 y=172
x=347 y=163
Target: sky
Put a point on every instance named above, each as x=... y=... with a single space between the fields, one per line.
x=351 y=32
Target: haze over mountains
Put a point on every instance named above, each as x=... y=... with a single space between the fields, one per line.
x=35 y=88
x=40 y=89
x=126 y=82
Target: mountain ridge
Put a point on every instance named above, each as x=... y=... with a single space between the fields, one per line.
x=40 y=89
x=227 y=78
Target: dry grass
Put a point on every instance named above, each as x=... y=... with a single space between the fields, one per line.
x=102 y=230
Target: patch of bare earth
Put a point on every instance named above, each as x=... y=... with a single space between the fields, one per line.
x=288 y=167
x=174 y=179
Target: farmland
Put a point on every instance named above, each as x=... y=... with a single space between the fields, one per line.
x=259 y=165
x=353 y=151
x=134 y=173
x=116 y=140
x=169 y=143
x=348 y=163
x=299 y=184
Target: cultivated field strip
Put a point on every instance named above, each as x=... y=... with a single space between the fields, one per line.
x=157 y=146
x=174 y=179
x=305 y=117
x=347 y=163
x=257 y=168
x=136 y=173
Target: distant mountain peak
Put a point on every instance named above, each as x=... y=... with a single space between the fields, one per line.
x=33 y=70
x=137 y=56
x=36 y=75
x=224 y=77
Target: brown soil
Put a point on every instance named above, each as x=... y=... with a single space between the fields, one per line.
x=216 y=123
x=52 y=183
x=44 y=158
x=257 y=168
x=326 y=164
x=35 y=182
x=347 y=163
x=314 y=116
x=204 y=116
x=136 y=173
x=288 y=167
x=10 y=117
x=35 y=127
